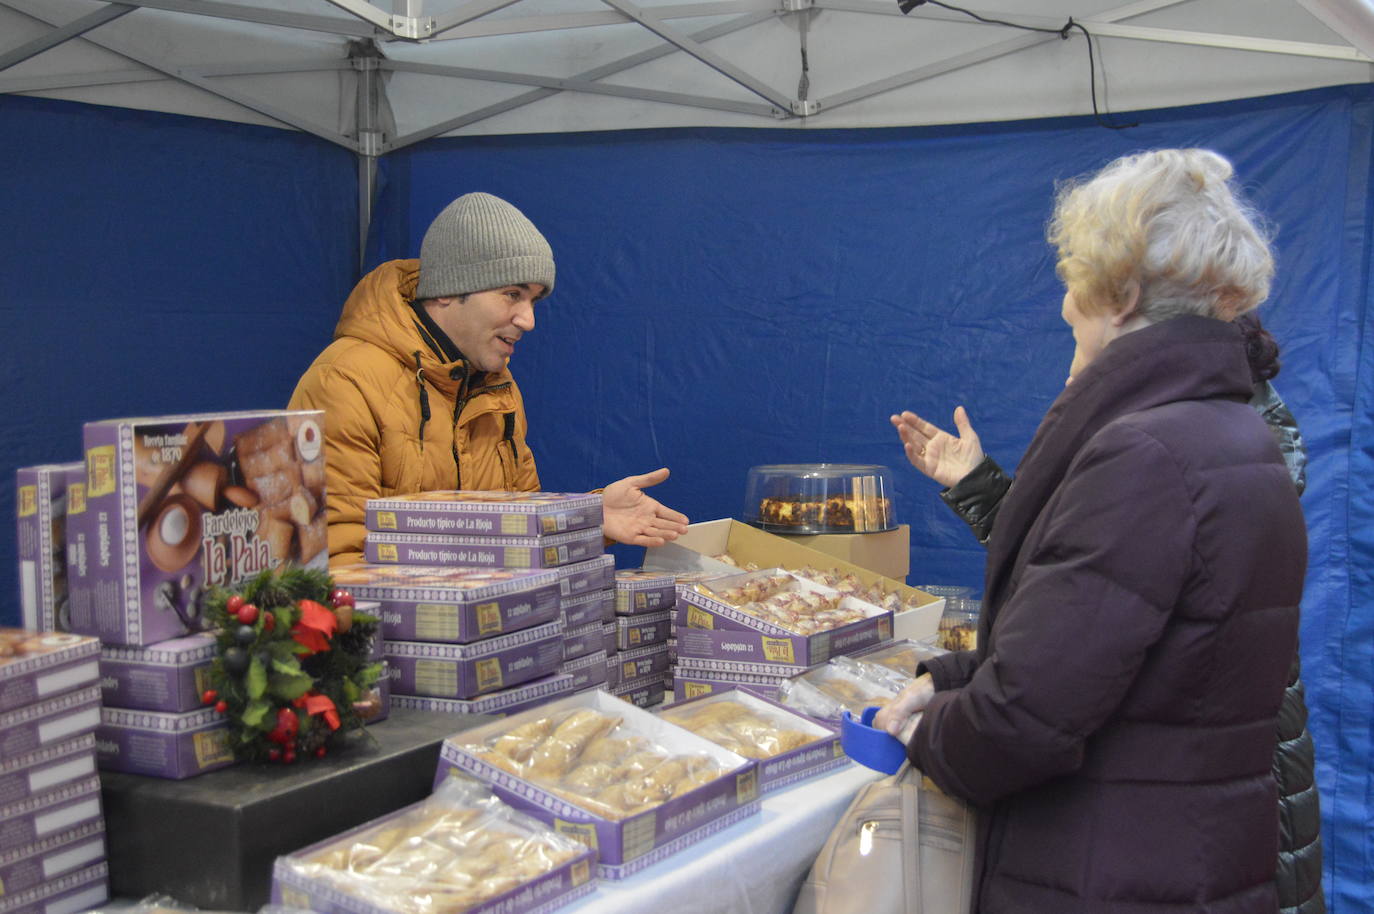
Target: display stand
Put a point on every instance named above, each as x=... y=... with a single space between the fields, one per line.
x=210 y=841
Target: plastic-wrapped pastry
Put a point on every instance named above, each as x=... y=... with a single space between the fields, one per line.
x=747 y=731
x=560 y=749
x=456 y=850
x=825 y=692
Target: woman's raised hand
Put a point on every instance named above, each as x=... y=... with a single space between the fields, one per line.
x=934 y=451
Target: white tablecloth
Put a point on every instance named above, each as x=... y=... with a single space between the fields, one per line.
x=753 y=867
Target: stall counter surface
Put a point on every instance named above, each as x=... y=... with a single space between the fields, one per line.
x=757 y=865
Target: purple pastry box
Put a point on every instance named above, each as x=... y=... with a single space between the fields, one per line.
x=786 y=768
x=644 y=692
x=42 y=861
x=178 y=504
x=587 y=672
x=627 y=845
x=612 y=670
x=506 y=701
x=298 y=883
x=593 y=574
x=609 y=633
x=707 y=627
x=453 y=604
x=38 y=665
x=46 y=814
x=483 y=552
x=46 y=722
x=468 y=670
x=173 y=746
x=167 y=676
x=78 y=891
x=583 y=641
x=642 y=591
x=690 y=682
x=644 y=661
x=466 y=513
x=41 y=511
x=637 y=631
x=593 y=606
x=22 y=776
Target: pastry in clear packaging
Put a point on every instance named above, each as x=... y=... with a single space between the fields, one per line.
x=744 y=730
x=452 y=852
x=588 y=759
x=810 y=498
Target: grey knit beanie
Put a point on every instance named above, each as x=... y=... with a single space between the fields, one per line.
x=481 y=242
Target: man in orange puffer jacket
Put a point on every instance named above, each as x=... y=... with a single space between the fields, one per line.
x=416 y=388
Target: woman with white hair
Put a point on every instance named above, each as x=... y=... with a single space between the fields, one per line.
x=1115 y=726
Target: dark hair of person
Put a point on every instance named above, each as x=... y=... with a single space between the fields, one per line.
x=1261 y=349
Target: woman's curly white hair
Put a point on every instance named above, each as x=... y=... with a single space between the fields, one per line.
x=1169 y=224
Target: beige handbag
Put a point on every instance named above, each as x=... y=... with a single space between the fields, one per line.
x=902 y=847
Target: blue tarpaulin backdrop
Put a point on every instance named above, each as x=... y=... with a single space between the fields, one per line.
x=725 y=298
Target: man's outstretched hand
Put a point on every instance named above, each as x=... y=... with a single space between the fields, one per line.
x=630 y=516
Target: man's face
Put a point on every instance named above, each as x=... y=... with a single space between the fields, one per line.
x=486 y=325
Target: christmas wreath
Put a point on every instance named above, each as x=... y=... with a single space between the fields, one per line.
x=293 y=673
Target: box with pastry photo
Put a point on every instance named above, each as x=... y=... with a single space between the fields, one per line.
x=461 y=849
x=452 y=604
x=789 y=747
x=469 y=670
x=468 y=513
x=633 y=787
x=773 y=616
x=176 y=505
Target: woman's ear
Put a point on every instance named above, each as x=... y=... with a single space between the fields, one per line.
x=1130 y=302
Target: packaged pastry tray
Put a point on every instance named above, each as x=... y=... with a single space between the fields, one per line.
x=499 y=704
x=710 y=627
x=900 y=657
x=459 y=850
x=826 y=691
x=52 y=721
x=483 y=551
x=789 y=747
x=585 y=608
x=580 y=642
x=643 y=692
x=451 y=604
x=637 y=631
x=37 y=665
x=43 y=815
x=468 y=670
x=640 y=591
x=644 y=661
x=167 y=676
x=625 y=842
x=588 y=671
x=31 y=865
x=469 y=513
x=81 y=890
x=22 y=776
x=593 y=574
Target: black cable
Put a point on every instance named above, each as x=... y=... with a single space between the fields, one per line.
x=907 y=6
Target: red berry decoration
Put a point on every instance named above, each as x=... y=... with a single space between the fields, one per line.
x=221 y=706
x=232 y=605
x=210 y=697
x=269 y=622
x=340 y=597
x=319 y=753
x=273 y=755
x=289 y=757
x=287 y=722
x=247 y=614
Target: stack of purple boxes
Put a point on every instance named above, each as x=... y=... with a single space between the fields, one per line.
x=492 y=601
x=167 y=508
x=52 y=832
x=644 y=602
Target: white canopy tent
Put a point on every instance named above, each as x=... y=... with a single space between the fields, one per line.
x=374 y=78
